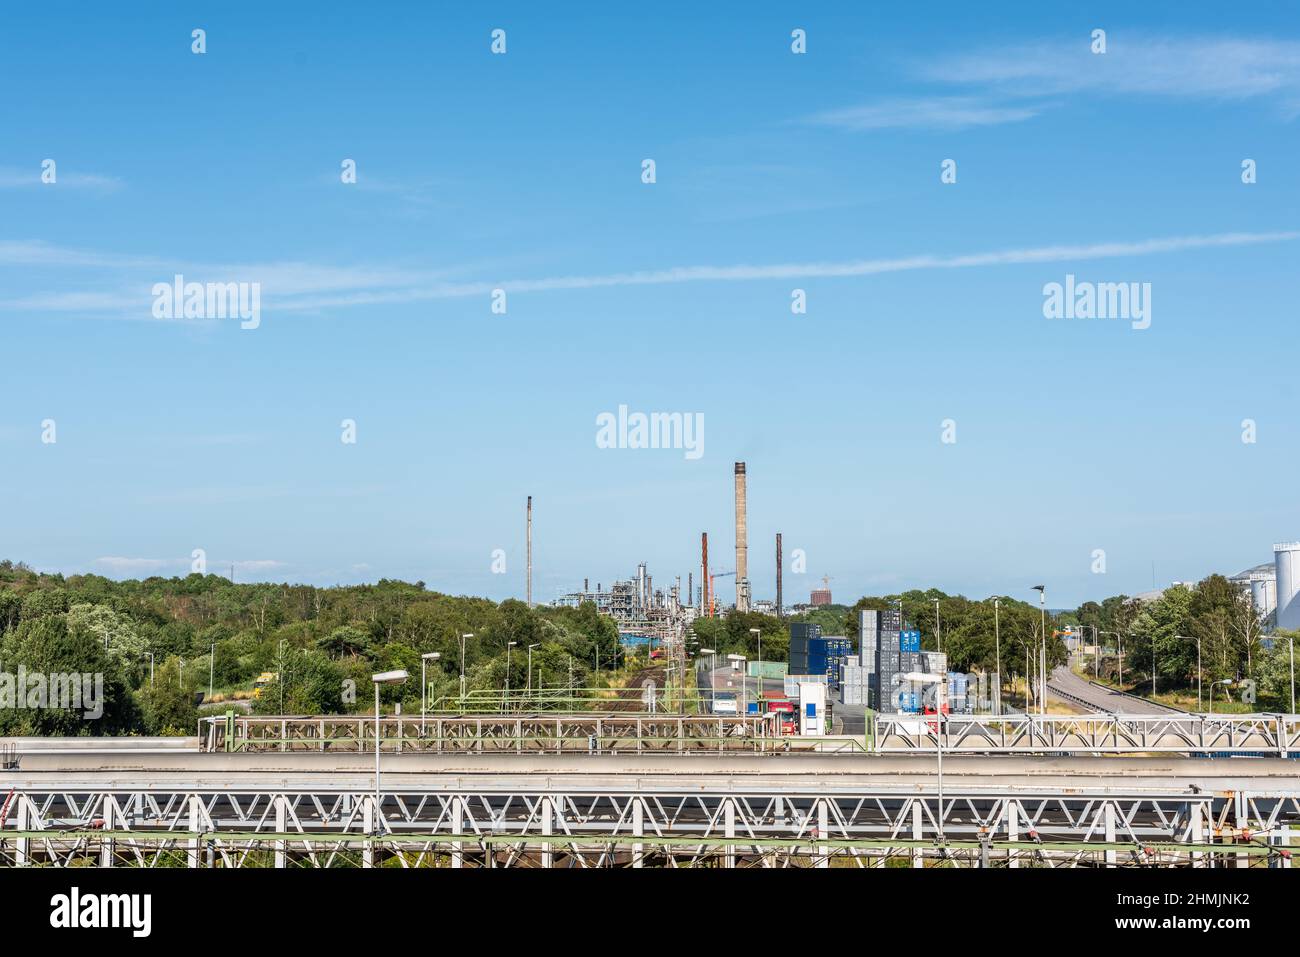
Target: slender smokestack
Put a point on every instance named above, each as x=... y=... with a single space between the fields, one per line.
x=586 y=586
x=529 y=595
x=704 y=569
x=742 y=543
x=778 y=574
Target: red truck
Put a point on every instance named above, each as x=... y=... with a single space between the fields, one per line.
x=786 y=715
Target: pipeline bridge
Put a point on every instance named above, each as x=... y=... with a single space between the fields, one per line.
x=143 y=803
x=1273 y=735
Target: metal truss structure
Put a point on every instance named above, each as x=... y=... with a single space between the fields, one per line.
x=1274 y=735
x=594 y=818
x=581 y=733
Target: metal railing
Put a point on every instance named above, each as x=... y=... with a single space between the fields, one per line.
x=1274 y=735
x=568 y=733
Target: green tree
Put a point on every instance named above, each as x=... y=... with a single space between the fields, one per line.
x=168 y=702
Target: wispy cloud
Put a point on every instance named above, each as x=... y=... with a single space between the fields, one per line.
x=331 y=292
x=14 y=178
x=940 y=112
x=1216 y=68
x=1016 y=82
x=120 y=565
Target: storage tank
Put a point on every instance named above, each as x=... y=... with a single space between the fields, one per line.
x=1263 y=592
x=1286 y=559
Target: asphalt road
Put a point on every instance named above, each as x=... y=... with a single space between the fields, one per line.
x=1075 y=689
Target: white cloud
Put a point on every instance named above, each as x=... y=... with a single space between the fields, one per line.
x=1013 y=83
x=13 y=178
x=1132 y=64
x=941 y=112
x=136 y=566
x=413 y=286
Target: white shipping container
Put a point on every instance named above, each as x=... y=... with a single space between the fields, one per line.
x=812 y=708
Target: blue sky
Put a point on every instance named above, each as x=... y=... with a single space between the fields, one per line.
x=522 y=171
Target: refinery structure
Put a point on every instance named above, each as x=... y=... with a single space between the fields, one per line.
x=728 y=763
x=642 y=611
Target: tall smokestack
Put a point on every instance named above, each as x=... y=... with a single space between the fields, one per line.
x=742 y=543
x=529 y=595
x=704 y=569
x=778 y=575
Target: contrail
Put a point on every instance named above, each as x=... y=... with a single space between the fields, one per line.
x=860 y=267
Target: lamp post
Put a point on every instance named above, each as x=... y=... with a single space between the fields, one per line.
x=997 y=648
x=712 y=664
x=212 y=666
x=1221 y=681
x=150 y=668
x=737 y=664
x=509 y=645
x=1291 y=641
x=382 y=678
x=759 y=633
x=530 y=665
x=940 y=683
x=938 y=634
x=1042 y=669
x=1198 y=665
x=424 y=684
x=462 y=667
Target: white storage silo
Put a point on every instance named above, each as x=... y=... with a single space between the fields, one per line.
x=1263 y=592
x=1286 y=559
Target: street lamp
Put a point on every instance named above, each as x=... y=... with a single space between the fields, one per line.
x=382 y=678
x=759 y=633
x=1198 y=665
x=736 y=661
x=1291 y=640
x=1221 y=681
x=150 y=654
x=212 y=666
x=509 y=645
x=938 y=634
x=530 y=665
x=424 y=684
x=462 y=667
x=713 y=663
x=1042 y=669
x=940 y=704
x=997 y=648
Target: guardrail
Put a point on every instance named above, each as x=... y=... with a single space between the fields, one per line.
x=574 y=733
x=1177 y=733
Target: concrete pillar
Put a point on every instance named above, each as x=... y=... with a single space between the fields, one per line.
x=823 y=823
x=729 y=825
x=1197 y=815
x=1239 y=807
x=918 y=831
x=457 y=827
x=281 y=826
x=1013 y=834
x=1108 y=815
x=547 y=811
x=368 y=822
x=196 y=825
x=22 y=856
x=638 y=830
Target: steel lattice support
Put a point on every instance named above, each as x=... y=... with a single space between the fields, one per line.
x=1273 y=734
x=536 y=826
